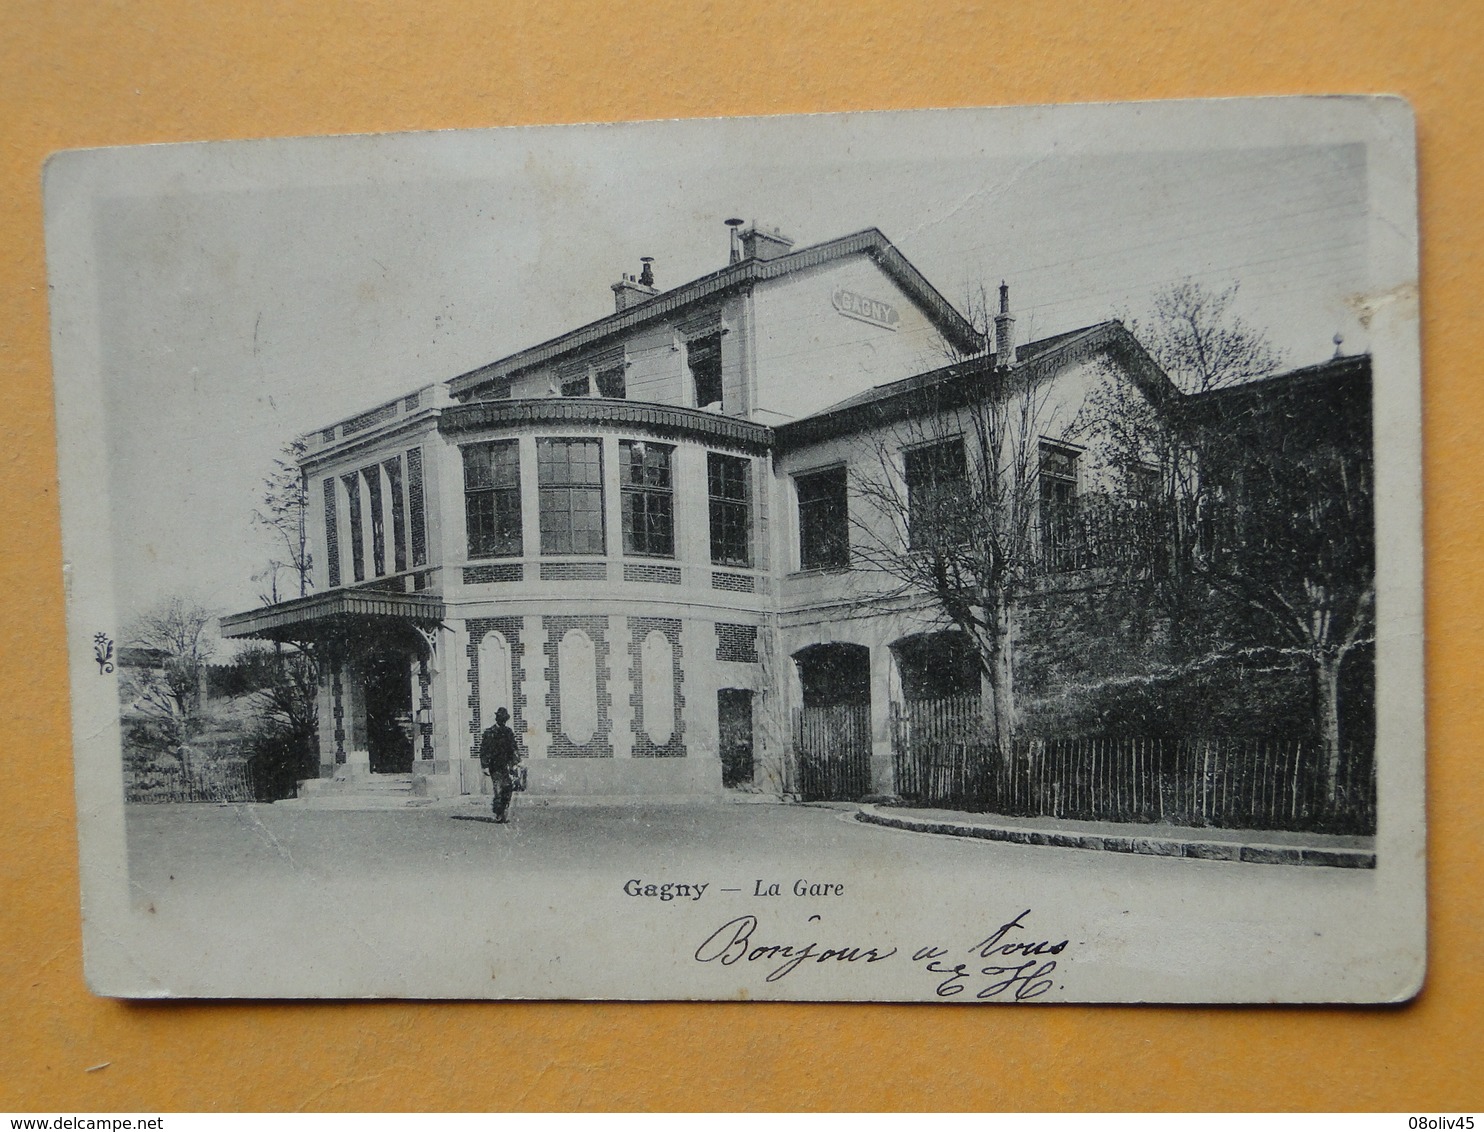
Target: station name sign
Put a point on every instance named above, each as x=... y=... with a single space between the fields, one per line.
x=860 y=307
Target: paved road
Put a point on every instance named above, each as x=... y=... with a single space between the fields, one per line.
x=245 y=900
x=214 y=845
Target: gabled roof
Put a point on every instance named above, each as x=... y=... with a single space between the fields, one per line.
x=1344 y=368
x=1331 y=398
x=962 y=382
x=869 y=242
x=1040 y=346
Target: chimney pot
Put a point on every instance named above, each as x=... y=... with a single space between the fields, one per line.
x=763 y=244
x=629 y=291
x=734 y=249
x=1004 y=330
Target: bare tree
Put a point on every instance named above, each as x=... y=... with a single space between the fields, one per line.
x=283 y=512
x=287 y=707
x=951 y=515
x=177 y=630
x=1200 y=343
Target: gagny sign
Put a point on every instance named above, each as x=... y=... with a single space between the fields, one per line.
x=873 y=311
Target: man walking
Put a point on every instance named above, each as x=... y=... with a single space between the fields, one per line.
x=500 y=757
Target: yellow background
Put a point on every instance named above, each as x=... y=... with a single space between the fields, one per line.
x=74 y=74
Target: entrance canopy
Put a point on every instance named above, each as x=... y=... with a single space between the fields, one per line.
x=338 y=615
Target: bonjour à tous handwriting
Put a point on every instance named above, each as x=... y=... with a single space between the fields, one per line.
x=1008 y=964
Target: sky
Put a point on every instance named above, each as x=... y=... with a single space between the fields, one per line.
x=246 y=292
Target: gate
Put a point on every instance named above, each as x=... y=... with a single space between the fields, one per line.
x=834 y=750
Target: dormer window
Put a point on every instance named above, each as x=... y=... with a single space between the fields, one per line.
x=600 y=374
x=611 y=382
x=703 y=356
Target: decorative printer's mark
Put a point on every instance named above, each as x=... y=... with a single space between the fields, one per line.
x=103 y=653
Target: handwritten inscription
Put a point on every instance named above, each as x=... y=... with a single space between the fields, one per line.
x=1001 y=977
x=1011 y=963
x=733 y=943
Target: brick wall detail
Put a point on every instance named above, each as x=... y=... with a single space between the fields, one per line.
x=332 y=534
x=644 y=572
x=510 y=629
x=425 y=705
x=337 y=696
x=574 y=572
x=736 y=643
x=601 y=744
x=415 y=509
x=495 y=572
x=644 y=746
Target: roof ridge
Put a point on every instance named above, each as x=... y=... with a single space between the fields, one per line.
x=863 y=240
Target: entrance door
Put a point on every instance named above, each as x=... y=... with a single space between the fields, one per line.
x=832 y=730
x=734 y=727
x=389 y=714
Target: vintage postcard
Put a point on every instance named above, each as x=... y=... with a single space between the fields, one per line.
x=959 y=556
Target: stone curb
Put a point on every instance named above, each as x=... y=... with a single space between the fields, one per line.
x=1254 y=853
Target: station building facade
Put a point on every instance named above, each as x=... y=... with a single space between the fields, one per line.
x=637 y=536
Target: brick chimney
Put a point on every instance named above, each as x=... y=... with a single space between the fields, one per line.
x=1004 y=330
x=629 y=291
x=764 y=243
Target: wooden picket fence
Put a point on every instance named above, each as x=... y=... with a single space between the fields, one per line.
x=940 y=761
x=833 y=745
x=201 y=782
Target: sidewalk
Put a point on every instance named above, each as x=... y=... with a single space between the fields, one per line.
x=1259 y=847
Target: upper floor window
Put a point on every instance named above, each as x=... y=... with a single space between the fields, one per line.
x=824 y=520
x=569 y=474
x=332 y=533
x=703 y=356
x=372 y=476
x=648 y=498
x=937 y=478
x=610 y=382
x=601 y=373
x=352 y=484
x=731 y=509
x=1142 y=482
x=393 y=470
x=492 y=498
x=1058 y=474
x=1058 y=481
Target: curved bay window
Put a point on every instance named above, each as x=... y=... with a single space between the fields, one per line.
x=730 y=509
x=492 y=499
x=569 y=474
x=648 y=498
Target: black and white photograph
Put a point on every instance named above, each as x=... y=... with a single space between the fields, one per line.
x=968 y=556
